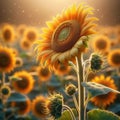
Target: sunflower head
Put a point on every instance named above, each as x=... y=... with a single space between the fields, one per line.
x=25 y=45
x=43 y=73
x=62 y=69
x=25 y=84
x=104 y=100
x=55 y=105
x=8 y=33
x=101 y=44
x=7 y=59
x=5 y=91
x=21 y=28
x=114 y=58
x=24 y=107
x=39 y=107
x=63 y=39
x=96 y=62
x=31 y=34
x=19 y=62
x=70 y=89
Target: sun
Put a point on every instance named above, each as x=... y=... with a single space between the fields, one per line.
x=62 y=40
x=103 y=101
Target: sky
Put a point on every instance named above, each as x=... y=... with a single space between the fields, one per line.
x=37 y=12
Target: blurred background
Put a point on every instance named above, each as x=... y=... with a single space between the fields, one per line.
x=36 y=12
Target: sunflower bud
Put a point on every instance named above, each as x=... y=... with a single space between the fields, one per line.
x=96 y=62
x=5 y=90
x=70 y=89
x=55 y=105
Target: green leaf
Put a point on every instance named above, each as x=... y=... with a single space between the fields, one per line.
x=16 y=97
x=13 y=78
x=97 y=114
x=96 y=89
x=66 y=115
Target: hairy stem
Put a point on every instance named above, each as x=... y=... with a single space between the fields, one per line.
x=79 y=61
x=71 y=112
x=76 y=103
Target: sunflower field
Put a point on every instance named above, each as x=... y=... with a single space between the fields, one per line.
x=67 y=70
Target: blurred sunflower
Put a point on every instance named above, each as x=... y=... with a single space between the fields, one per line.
x=63 y=39
x=21 y=28
x=39 y=107
x=24 y=107
x=15 y=51
x=5 y=90
x=19 y=62
x=8 y=33
x=114 y=58
x=62 y=69
x=104 y=100
x=26 y=84
x=31 y=34
x=101 y=43
x=25 y=45
x=43 y=73
x=7 y=59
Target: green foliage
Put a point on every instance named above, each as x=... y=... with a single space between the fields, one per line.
x=66 y=115
x=16 y=97
x=97 y=114
x=96 y=89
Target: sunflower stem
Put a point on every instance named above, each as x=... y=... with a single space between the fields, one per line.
x=3 y=78
x=85 y=107
x=76 y=103
x=70 y=111
x=79 y=62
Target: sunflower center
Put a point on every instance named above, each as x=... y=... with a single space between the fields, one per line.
x=23 y=84
x=5 y=91
x=101 y=44
x=7 y=34
x=116 y=58
x=44 y=72
x=40 y=107
x=4 y=60
x=62 y=67
x=31 y=35
x=65 y=36
x=21 y=105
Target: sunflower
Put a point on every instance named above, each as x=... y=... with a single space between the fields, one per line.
x=7 y=59
x=65 y=36
x=20 y=29
x=8 y=33
x=62 y=69
x=19 y=62
x=15 y=51
x=24 y=107
x=39 y=107
x=26 y=84
x=31 y=34
x=25 y=45
x=5 y=90
x=114 y=58
x=101 y=43
x=43 y=73
x=104 y=100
